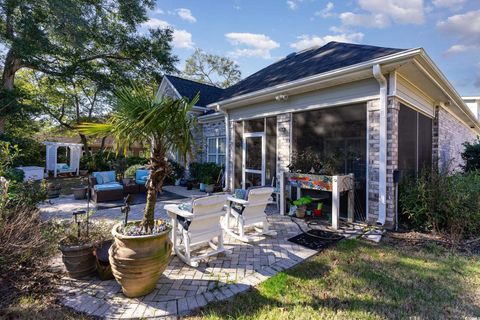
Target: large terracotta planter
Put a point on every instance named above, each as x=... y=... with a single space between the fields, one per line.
x=78 y=260
x=138 y=261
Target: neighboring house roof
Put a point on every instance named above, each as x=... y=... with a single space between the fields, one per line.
x=188 y=88
x=306 y=63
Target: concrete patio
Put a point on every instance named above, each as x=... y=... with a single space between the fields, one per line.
x=182 y=289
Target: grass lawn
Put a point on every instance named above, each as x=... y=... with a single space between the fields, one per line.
x=360 y=280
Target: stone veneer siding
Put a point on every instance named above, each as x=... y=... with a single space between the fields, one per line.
x=449 y=134
x=210 y=130
x=284 y=130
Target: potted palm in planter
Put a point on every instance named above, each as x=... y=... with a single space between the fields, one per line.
x=141 y=249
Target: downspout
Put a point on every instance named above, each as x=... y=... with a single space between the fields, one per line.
x=382 y=183
x=227 y=146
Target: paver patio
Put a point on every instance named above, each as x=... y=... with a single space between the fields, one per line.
x=181 y=288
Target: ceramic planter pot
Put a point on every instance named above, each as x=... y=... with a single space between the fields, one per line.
x=301 y=211
x=202 y=186
x=137 y=262
x=78 y=260
x=209 y=188
x=53 y=191
x=79 y=193
x=102 y=262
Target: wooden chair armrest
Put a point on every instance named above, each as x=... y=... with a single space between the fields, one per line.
x=173 y=209
x=236 y=200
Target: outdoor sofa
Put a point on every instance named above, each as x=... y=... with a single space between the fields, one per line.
x=104 y=187
x=141 y=177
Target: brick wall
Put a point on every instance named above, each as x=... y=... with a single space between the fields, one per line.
x=449 y=135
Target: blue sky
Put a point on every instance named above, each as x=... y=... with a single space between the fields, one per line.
x=257 y=33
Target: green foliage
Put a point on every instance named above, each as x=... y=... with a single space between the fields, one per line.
x=471 y=155
x=443 y=203
x=130 y=172
x=194 y=170
x=176 y=169
x=71 y=41
x=101 y=161
x=141 y=116
x=307 y=160
x=303 y=201
x=8 y=154
x=212 y=69
x=209 y=172
x=31 y=152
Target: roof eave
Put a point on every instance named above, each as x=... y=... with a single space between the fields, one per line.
x=255 y=96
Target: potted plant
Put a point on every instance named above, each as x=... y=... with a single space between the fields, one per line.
x=177 y=171
x=318 y=211
x=79 y=241
x=208 y=174
x=301 y=204
x=142 y=249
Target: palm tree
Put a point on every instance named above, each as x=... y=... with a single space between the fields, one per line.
x=163 y=122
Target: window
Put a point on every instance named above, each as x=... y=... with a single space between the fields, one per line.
x=216 y=150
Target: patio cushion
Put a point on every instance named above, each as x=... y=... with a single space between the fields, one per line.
x=62 y=166
x=141 y=176
x=104 y=177
x=108 y=186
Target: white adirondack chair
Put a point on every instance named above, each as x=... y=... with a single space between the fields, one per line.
x=197 y=227
x=248 y=213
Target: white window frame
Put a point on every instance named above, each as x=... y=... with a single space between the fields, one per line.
x=216 y=153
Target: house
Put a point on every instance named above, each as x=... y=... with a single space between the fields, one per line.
x=383 y=109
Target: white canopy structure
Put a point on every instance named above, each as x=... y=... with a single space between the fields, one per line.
x=52 y=159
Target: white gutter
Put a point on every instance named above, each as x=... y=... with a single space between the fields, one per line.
x=382 y=183
x=227 y=146
x=319 y=77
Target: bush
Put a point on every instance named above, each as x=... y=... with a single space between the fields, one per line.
x=101 y=161
x=130 y=172
x=443 y=203
x=194 y=170
x=13 y=174
x=176 y=170
x=471 y=156
x=209 y=172
x=31 y=152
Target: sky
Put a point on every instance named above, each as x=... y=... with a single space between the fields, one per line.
x=256 y=33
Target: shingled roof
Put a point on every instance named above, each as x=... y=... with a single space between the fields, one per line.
x=188 y=88
x=309 y=62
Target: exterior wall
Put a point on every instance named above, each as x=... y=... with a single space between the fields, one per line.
x=449 y=135
x=210 y=130
x=373 y=125
x=284 y=135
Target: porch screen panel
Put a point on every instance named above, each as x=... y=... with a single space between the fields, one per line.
x=424 y=142
x=407 y=141
x=414 y=142
x=238 y=127
x=271 y=149
x=338 y=132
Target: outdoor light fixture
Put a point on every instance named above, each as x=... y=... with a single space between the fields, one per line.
x=77 y=221
x=281 y=97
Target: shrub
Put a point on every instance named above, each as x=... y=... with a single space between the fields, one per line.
x=176 y=169
x=130 y=172
x=135 y=160
x=194 y=170
x=31 y=152
x=471 y=155
x=209 y=172
x=101 y=161
x=443 y=203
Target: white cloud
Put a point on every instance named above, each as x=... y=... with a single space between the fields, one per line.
x=182 y=39
x=465 y=27
x=381 y=13
x=258 y=45
x=307 y=41
x=365 y=20
x=186 y=14
x=154 y=23
x=326 y=12
x=448 y=3
x=292 y=5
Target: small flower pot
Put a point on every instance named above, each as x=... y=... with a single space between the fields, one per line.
x=53 y=191
x=79 y=193
x=317 y=212
x=209 y=188
x=189 y=186
x=78 y=260
x=202 y=186
x=301 y=211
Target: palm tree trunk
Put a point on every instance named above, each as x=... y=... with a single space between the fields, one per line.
x=158 y=166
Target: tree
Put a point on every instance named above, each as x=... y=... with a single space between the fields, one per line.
x=164 y=122
x=98 y=40
x=212 y=69
x=68 y=101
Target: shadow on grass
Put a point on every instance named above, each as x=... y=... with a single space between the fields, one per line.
x=361 y=280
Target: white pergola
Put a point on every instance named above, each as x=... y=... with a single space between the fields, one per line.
x=51 y=158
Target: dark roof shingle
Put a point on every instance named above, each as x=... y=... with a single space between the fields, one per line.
x=309 y=62
x=188 y=88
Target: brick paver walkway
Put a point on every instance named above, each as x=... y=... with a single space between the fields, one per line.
x=181 y=288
